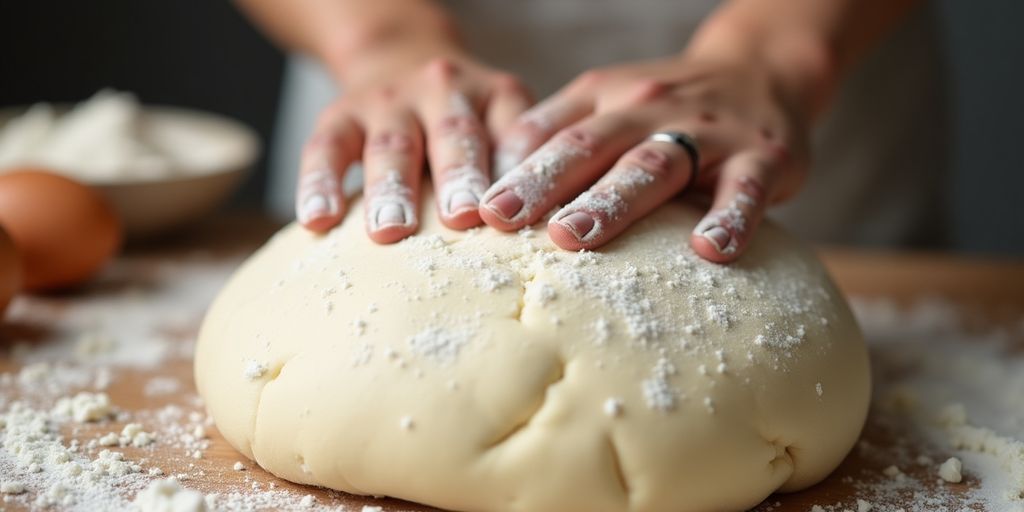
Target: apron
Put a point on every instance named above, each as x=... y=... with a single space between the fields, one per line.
x=880 y=154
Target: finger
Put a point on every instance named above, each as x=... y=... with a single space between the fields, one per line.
x=393 y=166
x=334 y=145
x=559 y=170
x=644 y=178
x=457 y=148
x=741 y=197
x=509 y=100
x=536 y=126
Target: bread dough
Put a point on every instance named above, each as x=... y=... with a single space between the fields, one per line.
x=488 y=371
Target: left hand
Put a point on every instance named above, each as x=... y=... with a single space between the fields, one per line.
x=589 y=147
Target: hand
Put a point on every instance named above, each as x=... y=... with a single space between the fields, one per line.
x=397 y=113
x=591 y=138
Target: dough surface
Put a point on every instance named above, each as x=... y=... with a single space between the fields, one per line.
x=495 y=372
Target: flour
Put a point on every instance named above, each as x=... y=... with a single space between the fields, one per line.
x=168 y=496
x=613 y=407
x=950 y=403
x=657 y=389
x=950 y=470
x=101 y=139
x=608 y=198
x=465 y=185
x=254 y=369
x=533 y=179
x=438 y=344
x=731 y=218
x=12 y=487
x=389 y=202
x=85 y=407
x=53 y=412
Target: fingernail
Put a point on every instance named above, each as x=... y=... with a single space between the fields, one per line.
x=462 y=200
x=578 y=223
x=313 y=207
x=390 y=214
x=506 y=205
x=719 y=237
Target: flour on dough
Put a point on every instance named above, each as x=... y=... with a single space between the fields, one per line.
x=487 y=371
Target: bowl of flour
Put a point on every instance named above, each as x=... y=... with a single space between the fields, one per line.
x=161 y=167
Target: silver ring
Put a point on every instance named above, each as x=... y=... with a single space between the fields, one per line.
x=685 y=141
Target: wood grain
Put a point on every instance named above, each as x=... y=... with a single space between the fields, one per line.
x=990 y=288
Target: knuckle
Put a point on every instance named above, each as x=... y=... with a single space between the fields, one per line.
x=578 y=139
x=655 y=162
x=753 y=187
x=646 y=90
x=458 y=125
x=383 y=95
x=391 y=142
x=440 y=70
x=509 y=83
x=590 y=78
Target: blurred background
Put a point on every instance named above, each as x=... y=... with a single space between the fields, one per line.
x=205 y=55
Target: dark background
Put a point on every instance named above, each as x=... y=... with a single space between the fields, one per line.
x=204 y=54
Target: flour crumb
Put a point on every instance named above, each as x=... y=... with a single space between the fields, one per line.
x=658 y=392
x=541 y=293
x=254 y=369
x=85 y=407
x=719 y=314
x=818 y=389
x=439 y=344
x=602 y=331
x=950 y=470
x=307 y=501
x=133 y=434
x=12 y=487
x=238 y=466
x=406 y=423
x=709 y=404
x=864 y=506
x=372 y=508
x=168 y=496
x=613 y=407
x=893 y=472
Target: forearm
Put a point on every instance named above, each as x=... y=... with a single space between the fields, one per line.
x=340 y=33
x=810 y=42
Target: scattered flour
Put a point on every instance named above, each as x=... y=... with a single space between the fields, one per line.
x=254 y=369
x=950 y=470
x=85 y=407
x=613 y=407
x=168 y=496
x=438 y=344
x=657 y=390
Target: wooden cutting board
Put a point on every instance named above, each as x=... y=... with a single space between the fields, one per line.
x=981 y=287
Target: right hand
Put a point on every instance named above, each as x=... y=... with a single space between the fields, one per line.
x=443 y=110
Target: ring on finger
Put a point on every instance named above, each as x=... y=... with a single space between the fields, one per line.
x=685 y=141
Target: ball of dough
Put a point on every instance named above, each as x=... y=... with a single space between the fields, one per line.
x=491 y=371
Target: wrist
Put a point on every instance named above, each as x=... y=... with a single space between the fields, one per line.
x=356 y=54
x=801 y=62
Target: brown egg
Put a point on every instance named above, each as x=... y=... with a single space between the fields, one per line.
x=10 y=270
x=64 y=231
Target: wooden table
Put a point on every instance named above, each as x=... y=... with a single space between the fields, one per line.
x=990 y=289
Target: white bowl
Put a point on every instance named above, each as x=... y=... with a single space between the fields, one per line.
x=225 y=151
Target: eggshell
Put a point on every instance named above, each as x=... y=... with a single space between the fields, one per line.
x=10 y=271
x=64 y=231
